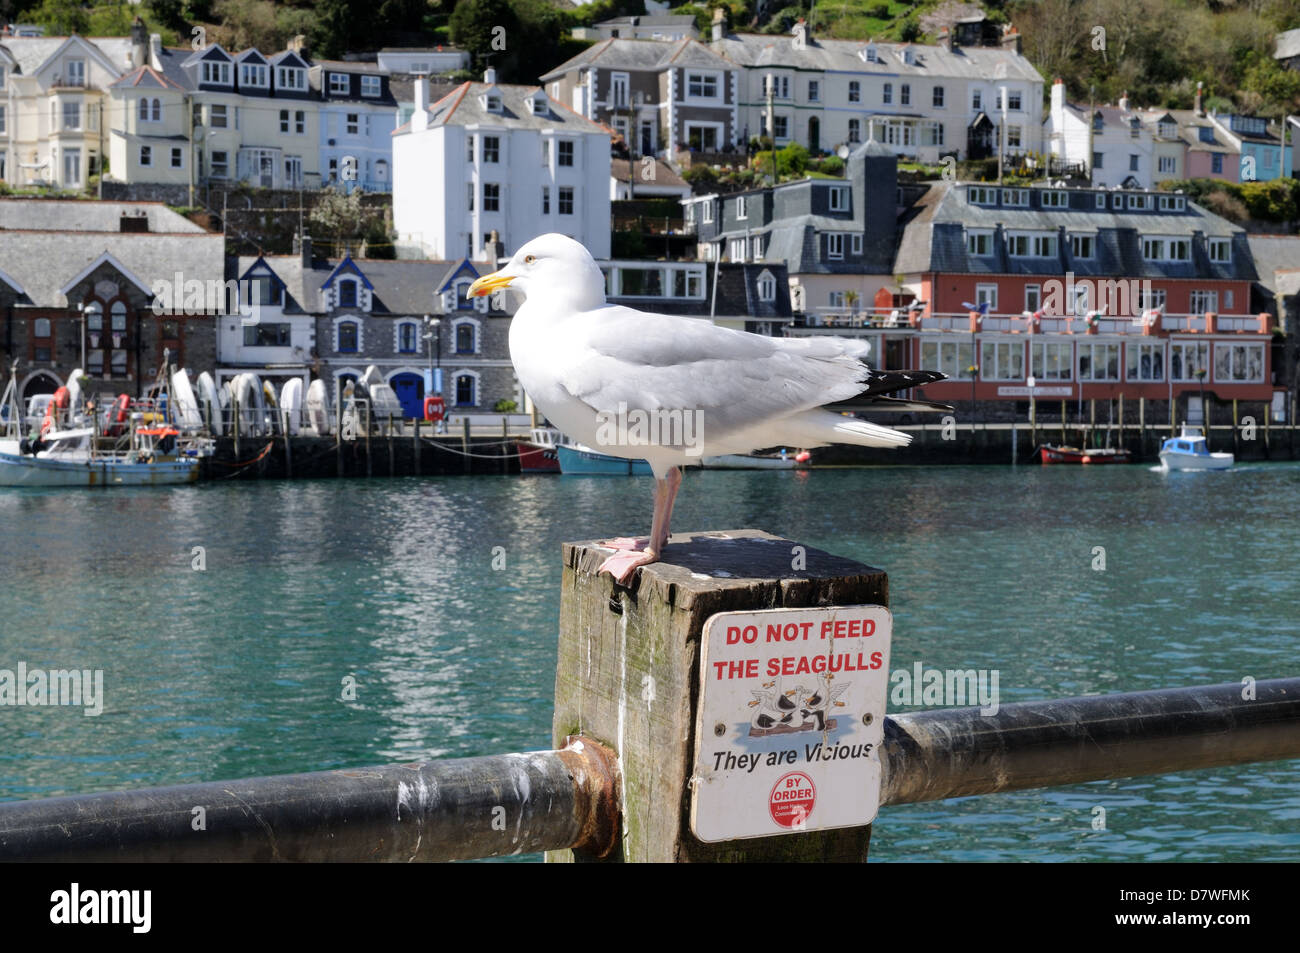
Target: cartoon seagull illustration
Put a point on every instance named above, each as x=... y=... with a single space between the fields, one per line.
x=791 y=712
x=819 y=700
x=766 y=717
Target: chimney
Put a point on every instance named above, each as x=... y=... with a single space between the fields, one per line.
x=420 y=118
x=1198 y=109
x=493 y=249
x=489 y=75
x=298 y=44
x=155 y=50
x=139 y=43
x=719 y=24
x=801 y=25
x=305 y=248
x=1058 y=102
x=1123 y=102
x=948 y=39
x=1011 y=39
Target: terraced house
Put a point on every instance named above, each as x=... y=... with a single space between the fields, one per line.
x=53 y=99
x=1089 y=292
x=919 y=101
x=660 y=97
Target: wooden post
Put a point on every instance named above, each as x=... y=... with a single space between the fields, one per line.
x=1268 y=415
x=415 y=446
x=368 y=461
x=1236 y=428
x=1172 y=405
x=288 y=454
x=464 y=444
x=392 y=458
x=1063 y=440
x=505 y=444
x=1121 y=420
x=234 y=406
x=627 y=676
x=338 y=426
x=1092 y=421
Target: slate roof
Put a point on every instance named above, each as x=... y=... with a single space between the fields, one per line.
x=73 y=215
x=737 y=294
x=462 y=107
x=1288 y=45
x=971 y=62
x=652 y=55
x=147 y=77
x=45 y=261
x=31 y=52
x=934 y=239
x=1277 y=260
x=664 y=175
x=401 y=287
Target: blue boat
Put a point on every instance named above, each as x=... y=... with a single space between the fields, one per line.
x=578 y=458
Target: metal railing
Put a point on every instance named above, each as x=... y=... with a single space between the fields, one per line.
x=959 y=321
x=569 y=798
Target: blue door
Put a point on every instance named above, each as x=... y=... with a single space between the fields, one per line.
x=409 y=389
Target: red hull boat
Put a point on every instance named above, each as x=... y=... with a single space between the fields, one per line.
x=1050 y=454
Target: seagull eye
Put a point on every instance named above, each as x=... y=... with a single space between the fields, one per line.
x=529 y=259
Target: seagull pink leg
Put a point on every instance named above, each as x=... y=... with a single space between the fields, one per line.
x=631 y=554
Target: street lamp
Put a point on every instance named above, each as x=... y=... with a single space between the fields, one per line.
x=433 y=335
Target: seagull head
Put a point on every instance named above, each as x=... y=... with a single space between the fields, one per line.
x=554 y=264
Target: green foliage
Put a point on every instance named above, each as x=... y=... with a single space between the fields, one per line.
x=344 y=217
x=504 y=406
x=830 y=165
x=701 y=178
x=1277 y=201
x=61 y=17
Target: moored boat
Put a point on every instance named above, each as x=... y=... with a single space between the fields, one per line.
x=537 y=453
x=1189 y=451
x=756 y=461
x=579 y=459
x=1052 y=454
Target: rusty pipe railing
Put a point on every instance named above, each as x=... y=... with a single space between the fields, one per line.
x=550 y=800
x=439 y=810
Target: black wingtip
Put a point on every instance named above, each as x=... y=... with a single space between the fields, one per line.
x=886 y=382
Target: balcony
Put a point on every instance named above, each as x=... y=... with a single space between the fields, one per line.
x=841 y=320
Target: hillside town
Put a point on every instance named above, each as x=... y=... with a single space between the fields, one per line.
x=943 y=200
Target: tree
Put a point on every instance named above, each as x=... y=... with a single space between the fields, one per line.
x=62 y=17
x=491 y=31
x=341 y=217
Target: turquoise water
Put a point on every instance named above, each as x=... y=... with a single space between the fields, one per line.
x=237 y=669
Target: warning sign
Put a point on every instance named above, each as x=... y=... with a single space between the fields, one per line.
x=790 y=721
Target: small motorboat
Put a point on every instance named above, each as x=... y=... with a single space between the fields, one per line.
x=580 y=459
x=756 y=461
x=1188 y=451
x=537 y=453
x=1052 y=454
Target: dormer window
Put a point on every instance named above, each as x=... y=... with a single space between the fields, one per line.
x=339 y=84
x=371 y=87
x=539 y=105
x=347 y=294
x=1168 y=130
x=216 y=72
x=492 y=102
x=252 y=74
x=869 y=54
x=289 y=77
x=1098 y=122
x=909 y=56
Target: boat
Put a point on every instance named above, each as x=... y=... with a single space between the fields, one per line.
x=1053 y=454
x=537 y=453
x=320 y=415
x=1189 y=451
x=72 y=458
x=291 y=406
x=756 y=461
x=577 y=458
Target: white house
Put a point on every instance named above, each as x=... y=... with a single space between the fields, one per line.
x=918 y=101
x=490 y=157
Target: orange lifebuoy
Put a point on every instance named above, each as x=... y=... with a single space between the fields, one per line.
x=58 y=402
x=434 y=408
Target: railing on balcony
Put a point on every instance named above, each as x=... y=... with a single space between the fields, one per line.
x=959 y=322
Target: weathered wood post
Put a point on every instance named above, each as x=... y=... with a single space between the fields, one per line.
x=1236 y=429
x=392 y=456
x=415 y=446
x=505 y=444
x=1121 y=420
x=369 y=465
x=464 y=444
x=338 y=426
x=234 y=419
x=627 y=675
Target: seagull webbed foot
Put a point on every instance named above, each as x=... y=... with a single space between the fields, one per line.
x=629 y=555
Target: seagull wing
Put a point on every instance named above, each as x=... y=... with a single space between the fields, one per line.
x=738 y=381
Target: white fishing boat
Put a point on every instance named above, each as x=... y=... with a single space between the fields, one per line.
x=57 y=453
x=1188 y=451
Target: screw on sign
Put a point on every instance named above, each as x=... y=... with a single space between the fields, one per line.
x=792 y=799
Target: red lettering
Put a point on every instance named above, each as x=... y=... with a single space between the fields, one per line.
x=876 y=660
x=751 y=668
x=819 y=663
x=773 y=632
x=840 y=626
x=826 y=627
x=774 y=666
x=733 y=634
x=855 y=628
x=802 y=667
x=868 y=627
x=750 y=634
x=806 y=626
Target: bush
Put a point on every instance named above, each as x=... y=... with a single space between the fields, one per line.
x=792 y=160
x=879 y=12
x=831 y=165
x=504 y=406
x=1221 y=203
x=701 y=178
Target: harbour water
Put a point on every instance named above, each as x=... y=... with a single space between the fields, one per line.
x=232 y=621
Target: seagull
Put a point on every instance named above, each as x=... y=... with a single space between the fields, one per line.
x=671 y=389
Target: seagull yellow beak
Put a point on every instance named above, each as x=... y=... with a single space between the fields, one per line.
x=489 y=283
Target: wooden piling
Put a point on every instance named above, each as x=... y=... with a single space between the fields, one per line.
x=288 y=447
x=369 y=465
x=392 y=457
x=1092 y=422
x=1064 y=441
x=505 y=444
x=1121 y=420
x=1236 y=428
x=415 y=446
x=628 y=675
x=338 y=427
x=464 y=444
x=234 y=405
